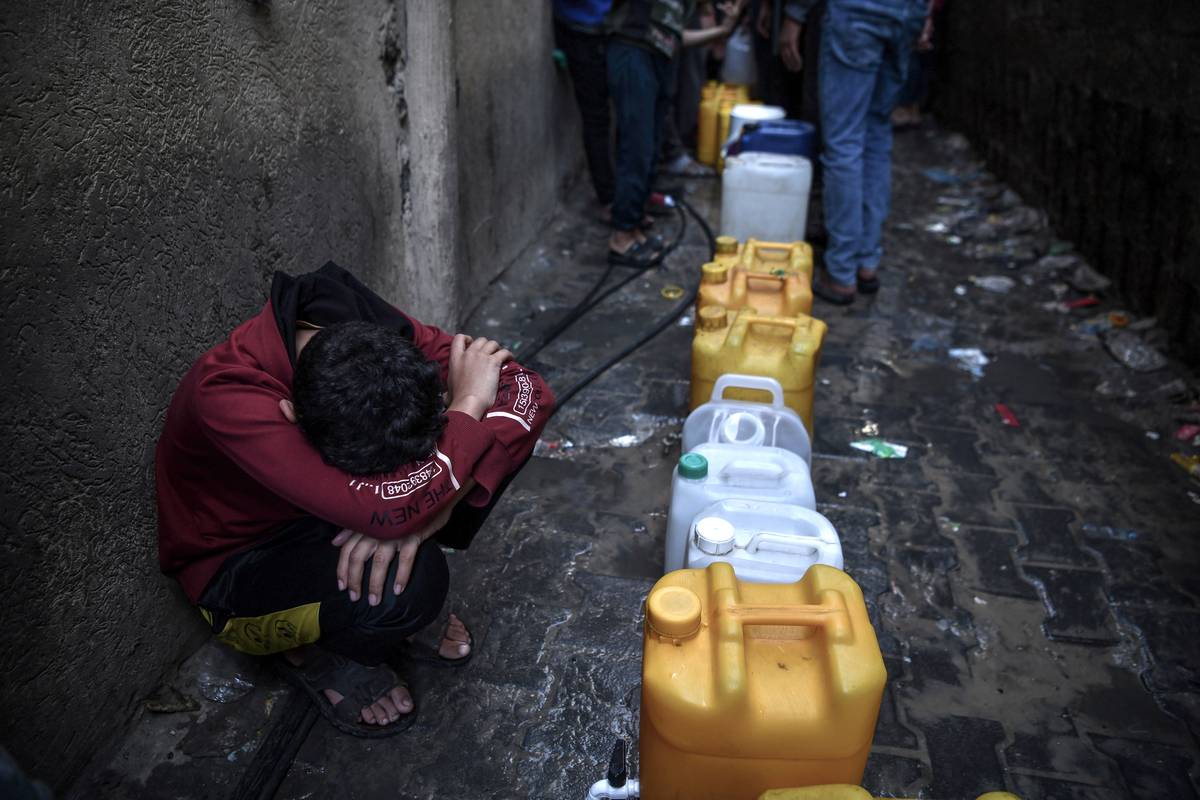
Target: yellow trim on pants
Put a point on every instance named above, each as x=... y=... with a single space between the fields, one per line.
x=271 y=633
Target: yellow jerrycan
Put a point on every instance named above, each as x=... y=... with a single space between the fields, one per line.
x=729 y=251
x=786 y=348
x=767 y=278
x=748 y=686
x=708 y=140
x=849 y=793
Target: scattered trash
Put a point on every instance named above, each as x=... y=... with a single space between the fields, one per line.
x=956 y=202
x=1195 y=497
x=1001 y=284
x=979 y=601
x=1128 y=348
x=880 y=448
x=1119 y=319
x=671 y=292
x=1021 y=219
x=842 y=494
x=869 y=429
x=628 y=440
x=169 y=700
x=223 y=690
x=947 y=178
x=1007 y=416
x=960 y=290
x=1055 y=263
x=1095 y=325
x=1154 y=435
x=1013 y=251
x=937 y=227
x=826 y=382
x=1082 y=302
x=1058 y=247
x=1094 y=531
x=1086 y=279
x=686 y=320
x=970 y=359
x=1187 y=433
x=1144 y=324
x=1189 y=464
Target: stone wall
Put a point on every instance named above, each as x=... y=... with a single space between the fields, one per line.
x=1093 y=111
x=157 y=163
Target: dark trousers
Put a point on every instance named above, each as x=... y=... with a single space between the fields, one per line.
x=588 y=66
x=640 y=83
x=283 y=592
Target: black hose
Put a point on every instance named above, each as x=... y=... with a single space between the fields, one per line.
x=565 y=396
x=590 y=301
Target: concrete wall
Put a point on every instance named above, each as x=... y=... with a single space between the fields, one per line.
x=158 y=161
x=1093 y=110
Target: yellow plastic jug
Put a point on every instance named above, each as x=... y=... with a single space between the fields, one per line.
x=746 y=686
x=708 y=143
x=786 y=348
x=773 y=278
x=849 y=793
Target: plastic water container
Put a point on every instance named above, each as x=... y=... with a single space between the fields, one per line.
x=775 y=287
x=765 y=196
x=755 y=424
x=745 y=114
x=752 y=686
x=708 y=139
x=764 y=542
x=739 y=65
x=786 y=348
x=785 y=136
x=714 y=472
x=845 y=792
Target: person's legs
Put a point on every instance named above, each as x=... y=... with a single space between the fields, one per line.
x=283 y=594
x=877 y=151
x=634 y=88
x=587 y=63
x=850 y=59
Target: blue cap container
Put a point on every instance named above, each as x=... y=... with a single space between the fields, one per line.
x=786 y=136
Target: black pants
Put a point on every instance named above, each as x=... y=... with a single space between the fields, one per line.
x=641 y=82
x=283 y=593
x=586 y=62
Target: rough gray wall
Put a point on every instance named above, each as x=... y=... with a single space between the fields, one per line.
x=518 y=131
x=157 y=162
x=1093 y=110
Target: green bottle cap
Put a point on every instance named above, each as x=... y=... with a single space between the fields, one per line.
x=560 y=58
x=693 y=466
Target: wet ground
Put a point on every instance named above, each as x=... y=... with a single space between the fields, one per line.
x=1034 y=587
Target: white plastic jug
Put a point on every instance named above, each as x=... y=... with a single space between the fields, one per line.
x=743 y=422
x=765 y=196
x=739 y=66
x=742 y=113
x=715 y=471
x=764 y=542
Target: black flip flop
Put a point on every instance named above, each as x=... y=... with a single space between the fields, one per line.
x=867 y=285
x=425 y=646
x=829 y=295
x=639 y=255
x=359 y=686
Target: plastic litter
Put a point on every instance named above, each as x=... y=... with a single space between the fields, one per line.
x=169 y=700
x=1086 y=279
x=880 y=448
x=1082 y=302
x=947 y=178
x=970 y=359
x=223 y=689
x=1127 y=347
x=956 y=202
x=671 y=292
x=1001 y=284
x=1007 y=416
x=960 y=290
x=1189 y=464
x=1187 y=433
x=1153 y=435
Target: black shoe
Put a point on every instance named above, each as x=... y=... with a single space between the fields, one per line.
x=640 y=255
x=823 y=288
x=867 y=285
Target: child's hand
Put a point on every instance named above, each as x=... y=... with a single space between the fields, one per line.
x=475 y=373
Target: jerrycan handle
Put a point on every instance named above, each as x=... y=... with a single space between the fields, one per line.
x=746 y=322
x=769 y=251
x=830 y=617
x=782 y=543
x=758 y=382
x=753 y=473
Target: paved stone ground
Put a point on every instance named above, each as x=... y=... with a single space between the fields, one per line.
x=1034 y=589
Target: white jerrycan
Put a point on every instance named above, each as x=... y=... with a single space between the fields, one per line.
x=743 y=422
x=764 y=542
x=715 y=471
x=765 y=196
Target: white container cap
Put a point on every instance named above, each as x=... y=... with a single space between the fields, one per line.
x=715 y=536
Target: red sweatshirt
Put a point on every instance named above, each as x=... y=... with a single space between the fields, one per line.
x=231 y=470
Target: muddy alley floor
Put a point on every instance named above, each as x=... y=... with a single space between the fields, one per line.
x=1034 y=587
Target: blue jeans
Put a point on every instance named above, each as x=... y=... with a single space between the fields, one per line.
x=864 y=58
x=640 y=83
